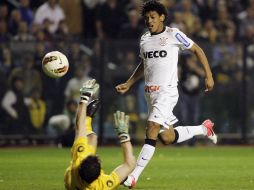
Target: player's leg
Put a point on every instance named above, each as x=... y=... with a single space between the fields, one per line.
x=145 y=154
x=160 y=105
x=148 y=148
x=167 y=136
x=183 y=133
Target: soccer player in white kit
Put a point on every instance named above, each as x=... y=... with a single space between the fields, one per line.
x=159 y=49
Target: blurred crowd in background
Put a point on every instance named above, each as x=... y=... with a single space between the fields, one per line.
x=101 y=40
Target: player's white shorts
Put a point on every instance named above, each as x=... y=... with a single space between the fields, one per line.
x=161 y=102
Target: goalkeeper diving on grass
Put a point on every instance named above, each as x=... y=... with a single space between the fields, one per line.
x=85 y=171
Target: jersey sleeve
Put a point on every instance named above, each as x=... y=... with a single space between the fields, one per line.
x=110 y=181
x=80 y=149
x=183 y=41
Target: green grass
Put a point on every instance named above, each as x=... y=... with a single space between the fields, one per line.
x=172 y=168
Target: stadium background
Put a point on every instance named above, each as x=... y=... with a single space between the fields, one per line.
x=101 y=39
x=29 y=157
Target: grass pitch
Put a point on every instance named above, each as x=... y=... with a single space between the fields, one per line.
x=172 y=168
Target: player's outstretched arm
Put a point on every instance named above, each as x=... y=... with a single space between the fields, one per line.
x=137 y=74
x=86 y=92
x=203 y=59
x=121 y=128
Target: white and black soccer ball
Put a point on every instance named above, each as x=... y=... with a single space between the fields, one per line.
x=55 y=64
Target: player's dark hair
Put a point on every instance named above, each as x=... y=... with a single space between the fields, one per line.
x=154 y=5
x=90 y=169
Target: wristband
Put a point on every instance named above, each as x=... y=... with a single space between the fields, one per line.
x=124 y=137
x=84 y=99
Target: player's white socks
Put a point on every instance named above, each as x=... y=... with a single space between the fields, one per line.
x=185 y=133
x=188 y=132
x=144 y=157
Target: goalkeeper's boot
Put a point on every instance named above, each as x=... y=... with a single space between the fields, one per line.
x=208 y=124
x=130 y=182
x=92 y=107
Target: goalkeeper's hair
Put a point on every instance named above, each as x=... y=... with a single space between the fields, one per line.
x=153 y=5
x=90 y=169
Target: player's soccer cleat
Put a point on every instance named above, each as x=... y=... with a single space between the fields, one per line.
x=92 y=107
x=130 y=182
x=208 y=124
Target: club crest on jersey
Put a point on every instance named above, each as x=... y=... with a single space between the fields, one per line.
x=109 y=183
x=181 y=39
x=163 y=41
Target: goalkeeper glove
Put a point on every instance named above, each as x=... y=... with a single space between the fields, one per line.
x=122 y=126
x=89 y=88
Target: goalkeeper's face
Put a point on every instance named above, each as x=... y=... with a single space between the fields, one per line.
x=154 y=21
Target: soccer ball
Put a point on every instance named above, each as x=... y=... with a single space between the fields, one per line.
x=55 y=64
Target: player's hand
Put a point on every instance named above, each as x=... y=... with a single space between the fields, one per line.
x=122 y=126
x=122 y=88
x=121 y=122
x=209 y=83
x=89 y=88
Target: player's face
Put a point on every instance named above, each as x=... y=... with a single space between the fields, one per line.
x=154 y=21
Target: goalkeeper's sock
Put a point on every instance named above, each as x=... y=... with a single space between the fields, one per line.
x=144 y=157
x=188 y=132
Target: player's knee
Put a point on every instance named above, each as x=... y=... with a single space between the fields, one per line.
x=168 y=136
x=167 y=140
x=152 y=130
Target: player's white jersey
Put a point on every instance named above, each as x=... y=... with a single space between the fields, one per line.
x=160 y=56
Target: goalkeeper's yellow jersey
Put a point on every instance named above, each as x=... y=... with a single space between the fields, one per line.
x=80 y=150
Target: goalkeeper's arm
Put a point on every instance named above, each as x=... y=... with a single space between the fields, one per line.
x=121 y=127
x=86 y=92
